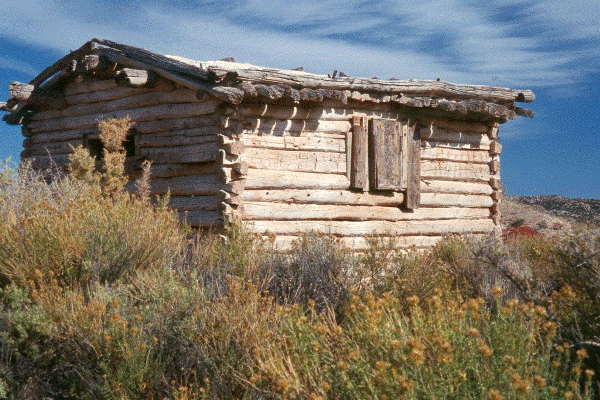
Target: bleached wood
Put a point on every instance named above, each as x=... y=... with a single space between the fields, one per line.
x=188 y=203
x=171 y=170
x=307 y=161
x=173 y=124
x=459 y=126
x=283 y=243
x=495 y=147
x=278 y=127
x=441 y=186
x=307 y=212
x=60 y=136
x=459 y=155
x=359 y=168
x=455 y=200
x=182 y=95
x=182 y=154
x=452 y=145
x=163 y=111
x=426 y=88
x=202 y=218
x=93 y=85
x=275 y=111
x=304 y=143
x=455 y=171
x=495 y=183
x=414 y=165
x=104 y=95
x=20 y=91
x=320 y=196
x=53 y=147
x=268 y=179
x=192 y=185
x=182 y=137
x=361 y=228
x=436 y=134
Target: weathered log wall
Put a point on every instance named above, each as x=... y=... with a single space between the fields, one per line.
x=180 y=134
x=298 y=178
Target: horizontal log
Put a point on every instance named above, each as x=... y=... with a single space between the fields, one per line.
x=202 y=218
x=172 y=170
x=177 y=124
x=452 y=145
x=136 y=78
x=296 y=160
x=460 y=126
x=304 y=143
x=207 y=151
x=192 y=185
x=40 y=162
x=268 y=179
x=278 y=127
x=163 y=111
x=182 y=95
x=455 y=171
x=60 y=136
x=104 y=95
x=20 y=91
x=362 y=228
x=279 y=112
x=182 y=137
x=441 y=186
x=459 y=155
x=441 y=135
x=425 y=88
x=318 y=196
x=455 y=200
x=87 y=86
x=308 y=212
x=284 y=243
x=189 y=203
x=53 y=147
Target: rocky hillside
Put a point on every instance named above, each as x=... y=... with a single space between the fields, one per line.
x=549 y=212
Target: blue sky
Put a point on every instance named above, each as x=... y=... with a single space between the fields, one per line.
x=549 y=46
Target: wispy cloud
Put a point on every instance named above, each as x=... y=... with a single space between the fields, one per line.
x=17 y=66
x=502 y=42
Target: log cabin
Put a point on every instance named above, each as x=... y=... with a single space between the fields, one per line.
x=285 y=151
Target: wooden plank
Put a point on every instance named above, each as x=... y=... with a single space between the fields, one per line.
x=453 y=154
x=309 y=212
x=362 y=228
x=304 y=143
x=414 y=164
x=441 y=186
x=176 y=124
x=88 y=86
x=455 y=200
x=182 y=137
x=435 y=134
x=171 y=170
x=60 y=136
x=163 y=111
x=495 y=147
x=192 y=185
x=455 y=171
x=268 y=179
x=280 y=112
x=385 y=163
x=202 y=218
x=182 y=95
x=293 y=127
x=189 y=203
x=293 y=160
x=284 y=243
x=207 y=151
x=359 y=170
x=319 y=196
x=53 y=147
x=450 y=145
x=459 y=126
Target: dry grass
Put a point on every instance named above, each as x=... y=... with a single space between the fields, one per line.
x=104 y=295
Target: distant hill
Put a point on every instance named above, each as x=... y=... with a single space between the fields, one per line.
x=580 y=210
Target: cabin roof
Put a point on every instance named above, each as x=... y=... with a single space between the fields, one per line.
x=235 y=82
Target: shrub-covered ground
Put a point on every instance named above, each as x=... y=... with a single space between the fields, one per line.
x=103 y=294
